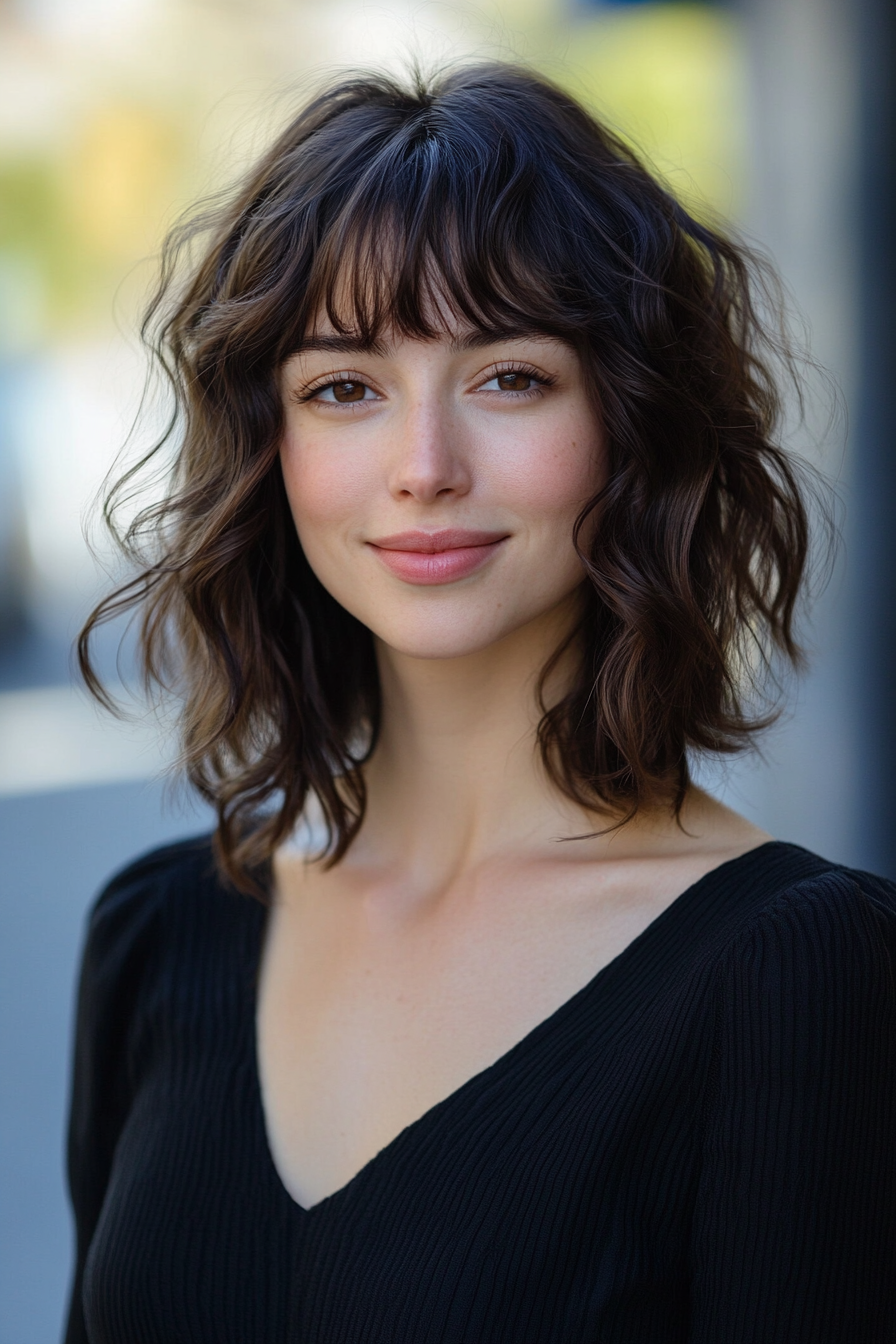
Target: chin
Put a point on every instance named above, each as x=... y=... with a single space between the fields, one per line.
x=458 y=632
x=439 y=643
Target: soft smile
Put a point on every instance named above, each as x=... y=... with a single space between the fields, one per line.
x=436 y=557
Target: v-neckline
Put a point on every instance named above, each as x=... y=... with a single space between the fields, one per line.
x=534 y=1035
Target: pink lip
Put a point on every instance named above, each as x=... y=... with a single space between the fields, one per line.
x=436 y=557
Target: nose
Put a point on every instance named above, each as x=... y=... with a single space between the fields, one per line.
x=429 y=461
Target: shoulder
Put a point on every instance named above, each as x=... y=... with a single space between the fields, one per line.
x=795 y=889
x=128 y=918
x=160 y=927
x=819 y=942
x=141 y=888
x=783 y=884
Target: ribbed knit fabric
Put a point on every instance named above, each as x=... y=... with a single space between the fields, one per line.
x=699 y=1146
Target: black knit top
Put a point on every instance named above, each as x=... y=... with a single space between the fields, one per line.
x=699 y=1146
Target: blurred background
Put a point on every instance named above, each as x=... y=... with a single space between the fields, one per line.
x=114 y=115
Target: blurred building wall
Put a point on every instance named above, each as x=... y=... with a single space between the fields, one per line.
x=821 y=199
x=872 y=531
x=802 y=61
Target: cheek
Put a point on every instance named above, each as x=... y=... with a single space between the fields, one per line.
x=559 y=473
x=324 y=489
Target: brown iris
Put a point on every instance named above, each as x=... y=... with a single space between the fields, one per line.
x=348 y=391
x=514 y=382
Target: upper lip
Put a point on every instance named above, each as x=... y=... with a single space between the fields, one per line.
x=448 y=539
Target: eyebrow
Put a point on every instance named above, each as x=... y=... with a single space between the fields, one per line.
x=353 y=344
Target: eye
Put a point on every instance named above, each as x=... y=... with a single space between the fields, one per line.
x=343 y=391
x=514 y=380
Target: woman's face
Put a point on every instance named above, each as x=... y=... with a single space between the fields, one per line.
x=435 y=483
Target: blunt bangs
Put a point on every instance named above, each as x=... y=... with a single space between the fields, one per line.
x=452 y=224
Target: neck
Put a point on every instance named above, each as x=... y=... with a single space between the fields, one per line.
x=457 y=776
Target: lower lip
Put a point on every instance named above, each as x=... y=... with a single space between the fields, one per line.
x=431 y=567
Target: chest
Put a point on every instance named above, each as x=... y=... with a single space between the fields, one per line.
x=491 y=1217
x=364 y=1025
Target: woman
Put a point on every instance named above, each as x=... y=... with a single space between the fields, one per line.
x=476 y=529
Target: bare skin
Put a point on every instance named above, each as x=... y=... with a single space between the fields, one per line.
x=461 y=917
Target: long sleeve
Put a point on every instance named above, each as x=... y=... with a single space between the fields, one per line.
x=119 y=937
x=795 y=1224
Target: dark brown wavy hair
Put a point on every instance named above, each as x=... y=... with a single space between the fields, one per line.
x=493 y=191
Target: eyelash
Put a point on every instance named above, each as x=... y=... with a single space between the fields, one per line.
x=332 y=380
x=542 y=381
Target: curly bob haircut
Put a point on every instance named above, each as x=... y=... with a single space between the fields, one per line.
x=492 y=192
